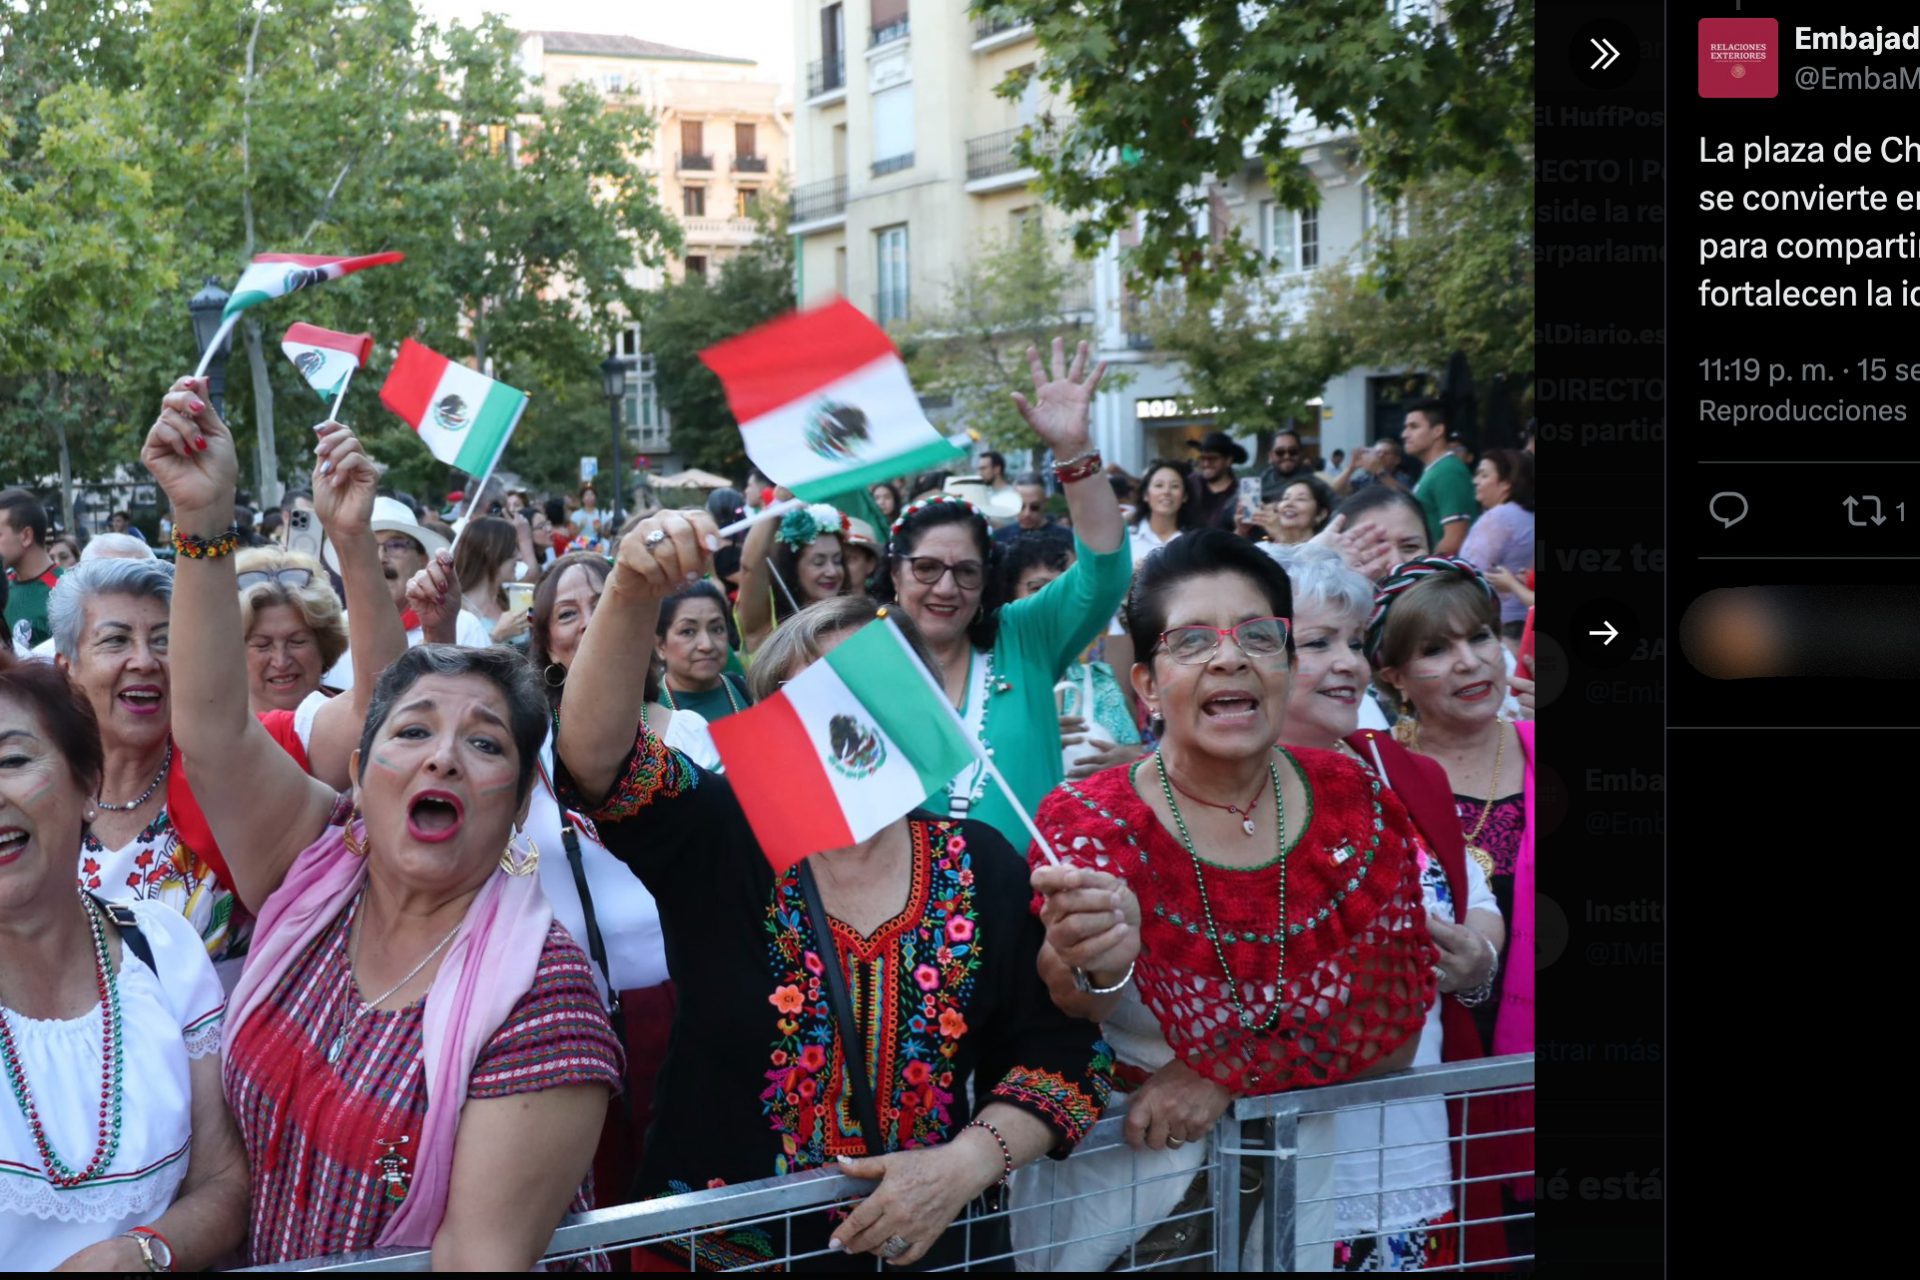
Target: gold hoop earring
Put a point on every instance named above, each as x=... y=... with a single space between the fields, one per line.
x=517 y=861
x=357 y=846
x=1406 y=730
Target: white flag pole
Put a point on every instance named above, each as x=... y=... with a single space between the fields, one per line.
x=220 y=335
x=765 y=513
x=980 y=756
x=474 y=500
x=334 y=412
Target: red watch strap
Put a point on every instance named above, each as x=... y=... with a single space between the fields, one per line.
x=165 y=1243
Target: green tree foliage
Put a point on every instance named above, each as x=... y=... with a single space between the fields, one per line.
x=309 y=126
x=684 y=318
x=1012 y=293
x=1159 y=99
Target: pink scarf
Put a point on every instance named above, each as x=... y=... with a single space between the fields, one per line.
x=1513 y=1030
x=489 y=965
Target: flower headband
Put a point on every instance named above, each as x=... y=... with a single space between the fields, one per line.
x=915 y=508
x=803 y=524
x=1397 y=583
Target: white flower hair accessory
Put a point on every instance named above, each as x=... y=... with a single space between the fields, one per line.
x=802 y=525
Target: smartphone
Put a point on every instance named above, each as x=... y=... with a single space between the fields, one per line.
x=1249 y=498
x=302 y=536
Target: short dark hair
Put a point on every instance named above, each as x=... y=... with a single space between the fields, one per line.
x=997 y=458
x=23 y=512
x=1434 y=408
x=985 y=627
x=1286 y=431
x=1322 y=496
x=1199 y=554
x=1032 y=478
x=1394 y=441
x=1025 y=551
x=556 y=509
x=527 y=710
x=1515 y=467
x=1376 y=496
x=63 y=711
x=702 y=590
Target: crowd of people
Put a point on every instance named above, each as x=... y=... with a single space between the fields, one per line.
x=368 y=879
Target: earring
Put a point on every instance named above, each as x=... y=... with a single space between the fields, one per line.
x=554 y=682
x=356 y=845
x=517 y=861
x=1406 y=730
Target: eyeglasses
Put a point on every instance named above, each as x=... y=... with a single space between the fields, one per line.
x=967 y=574
x=1286 y=453
x=399 y=546
x=294 y=577
x=1257 y=637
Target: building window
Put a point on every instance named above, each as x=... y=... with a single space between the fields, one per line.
x=614 y=82
x=693 y=146
x=697 y=265
x=630 y=342
x=891 y=246
x=743 y=141
x=840 y=271
x=1292 y=236
x=1309 y=239
x=893 y=128
x=1025 y=219
x=693 y=201
x=889 y=21
x=746 y=202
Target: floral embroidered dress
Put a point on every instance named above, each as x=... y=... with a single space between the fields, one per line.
x=315 y=1131
x=1359 y=976
x=946 y=994
x=1506 y=824
x=158 y=866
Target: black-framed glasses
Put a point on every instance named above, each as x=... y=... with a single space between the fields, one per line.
x=293 y=578
x=967 y=574
x=1257 y=637
x=399 y=546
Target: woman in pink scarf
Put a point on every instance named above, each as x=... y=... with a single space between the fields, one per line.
x=415 y=1053
x=1434 y=637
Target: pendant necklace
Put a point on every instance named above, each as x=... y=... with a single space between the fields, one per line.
x=339 y=1043
x=1245 y=815
x=1474 y=851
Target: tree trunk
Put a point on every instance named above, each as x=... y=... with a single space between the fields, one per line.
x=266 y=456
x=58 y=400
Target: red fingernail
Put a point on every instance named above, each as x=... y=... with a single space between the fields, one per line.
x=198 y=407
x=200 y=442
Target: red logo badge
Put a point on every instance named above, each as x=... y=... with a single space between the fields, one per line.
x=1739 y=58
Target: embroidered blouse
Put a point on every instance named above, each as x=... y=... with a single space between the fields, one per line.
x=315 y=1131
x=156 y=865
x=1506 y=824
x=946 y=994
x=1359 y=974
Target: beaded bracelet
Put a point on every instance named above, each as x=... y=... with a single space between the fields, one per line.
x=193 y=548
x=1006 y=1152
x=1078 y=468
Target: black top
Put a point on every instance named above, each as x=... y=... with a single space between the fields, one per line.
x=754 y=1083
x=1210 y=509
x=1274 y=481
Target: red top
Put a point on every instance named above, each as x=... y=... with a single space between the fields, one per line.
x=1359 y=962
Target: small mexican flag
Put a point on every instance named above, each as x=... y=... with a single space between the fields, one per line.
x=849 y=745
x=463 y=417
x=326 y=359
x=275 y=275
x=824 y=403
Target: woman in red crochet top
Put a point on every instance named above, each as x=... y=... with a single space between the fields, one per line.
x=1264 y=901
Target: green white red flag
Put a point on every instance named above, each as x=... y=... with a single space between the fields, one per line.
x=824 y=403
x=846 y=747
x=324 y=357
x=275 y=275
x=463 y=417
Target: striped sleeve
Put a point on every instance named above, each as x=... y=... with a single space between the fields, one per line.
x=557 y=1035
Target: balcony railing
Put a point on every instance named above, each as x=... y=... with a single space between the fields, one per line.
x=824 y=75
x=749 y=164
x=892 y=164
x=694 y=160
x=895 y=30
x=994 y=21
x=993 y=154
x=817 y=200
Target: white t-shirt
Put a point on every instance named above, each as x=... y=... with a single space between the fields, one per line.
x=166 y=1023
x=469 y=632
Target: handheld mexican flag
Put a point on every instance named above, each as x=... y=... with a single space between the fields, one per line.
x=824 y=403
x=326 y=359
x=275 y=275
x=463 y=417
x=848 y=745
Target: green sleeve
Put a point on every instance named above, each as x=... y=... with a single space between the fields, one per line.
x=1064 y=617
x=1454 y=494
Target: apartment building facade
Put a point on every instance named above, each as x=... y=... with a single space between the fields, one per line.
x=721 y=145
x=903 y=163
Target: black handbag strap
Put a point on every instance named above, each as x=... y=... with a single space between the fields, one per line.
x=122 y=918
x=596 y=945
x=853 y=1046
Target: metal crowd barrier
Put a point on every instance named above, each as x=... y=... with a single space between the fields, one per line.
x=1271 y=1200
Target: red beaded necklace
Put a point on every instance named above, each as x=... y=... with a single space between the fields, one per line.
x=108 y=1143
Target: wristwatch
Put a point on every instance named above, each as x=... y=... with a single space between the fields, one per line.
x=1084 y=983
x=154 y=1248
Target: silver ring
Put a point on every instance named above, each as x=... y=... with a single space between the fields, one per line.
x=654 y=539
x=1176 y=1142
x=895 y=1246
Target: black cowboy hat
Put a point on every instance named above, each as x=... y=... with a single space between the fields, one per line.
x=1221 y=443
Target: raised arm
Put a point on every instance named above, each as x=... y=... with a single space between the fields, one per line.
x=343 y=493
x=1060 y=413
x=262 y=806
x=754 y=610
x=604 y=700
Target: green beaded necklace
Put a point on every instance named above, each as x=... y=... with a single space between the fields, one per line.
x=1206 y=906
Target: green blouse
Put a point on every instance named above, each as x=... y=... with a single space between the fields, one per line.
x=1040 y=637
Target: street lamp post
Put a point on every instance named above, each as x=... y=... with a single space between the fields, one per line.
x=613 y=380
x=206 y=308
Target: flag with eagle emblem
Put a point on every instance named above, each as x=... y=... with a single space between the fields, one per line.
x=325 y=358
x=463 y=417
x=275 y=275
